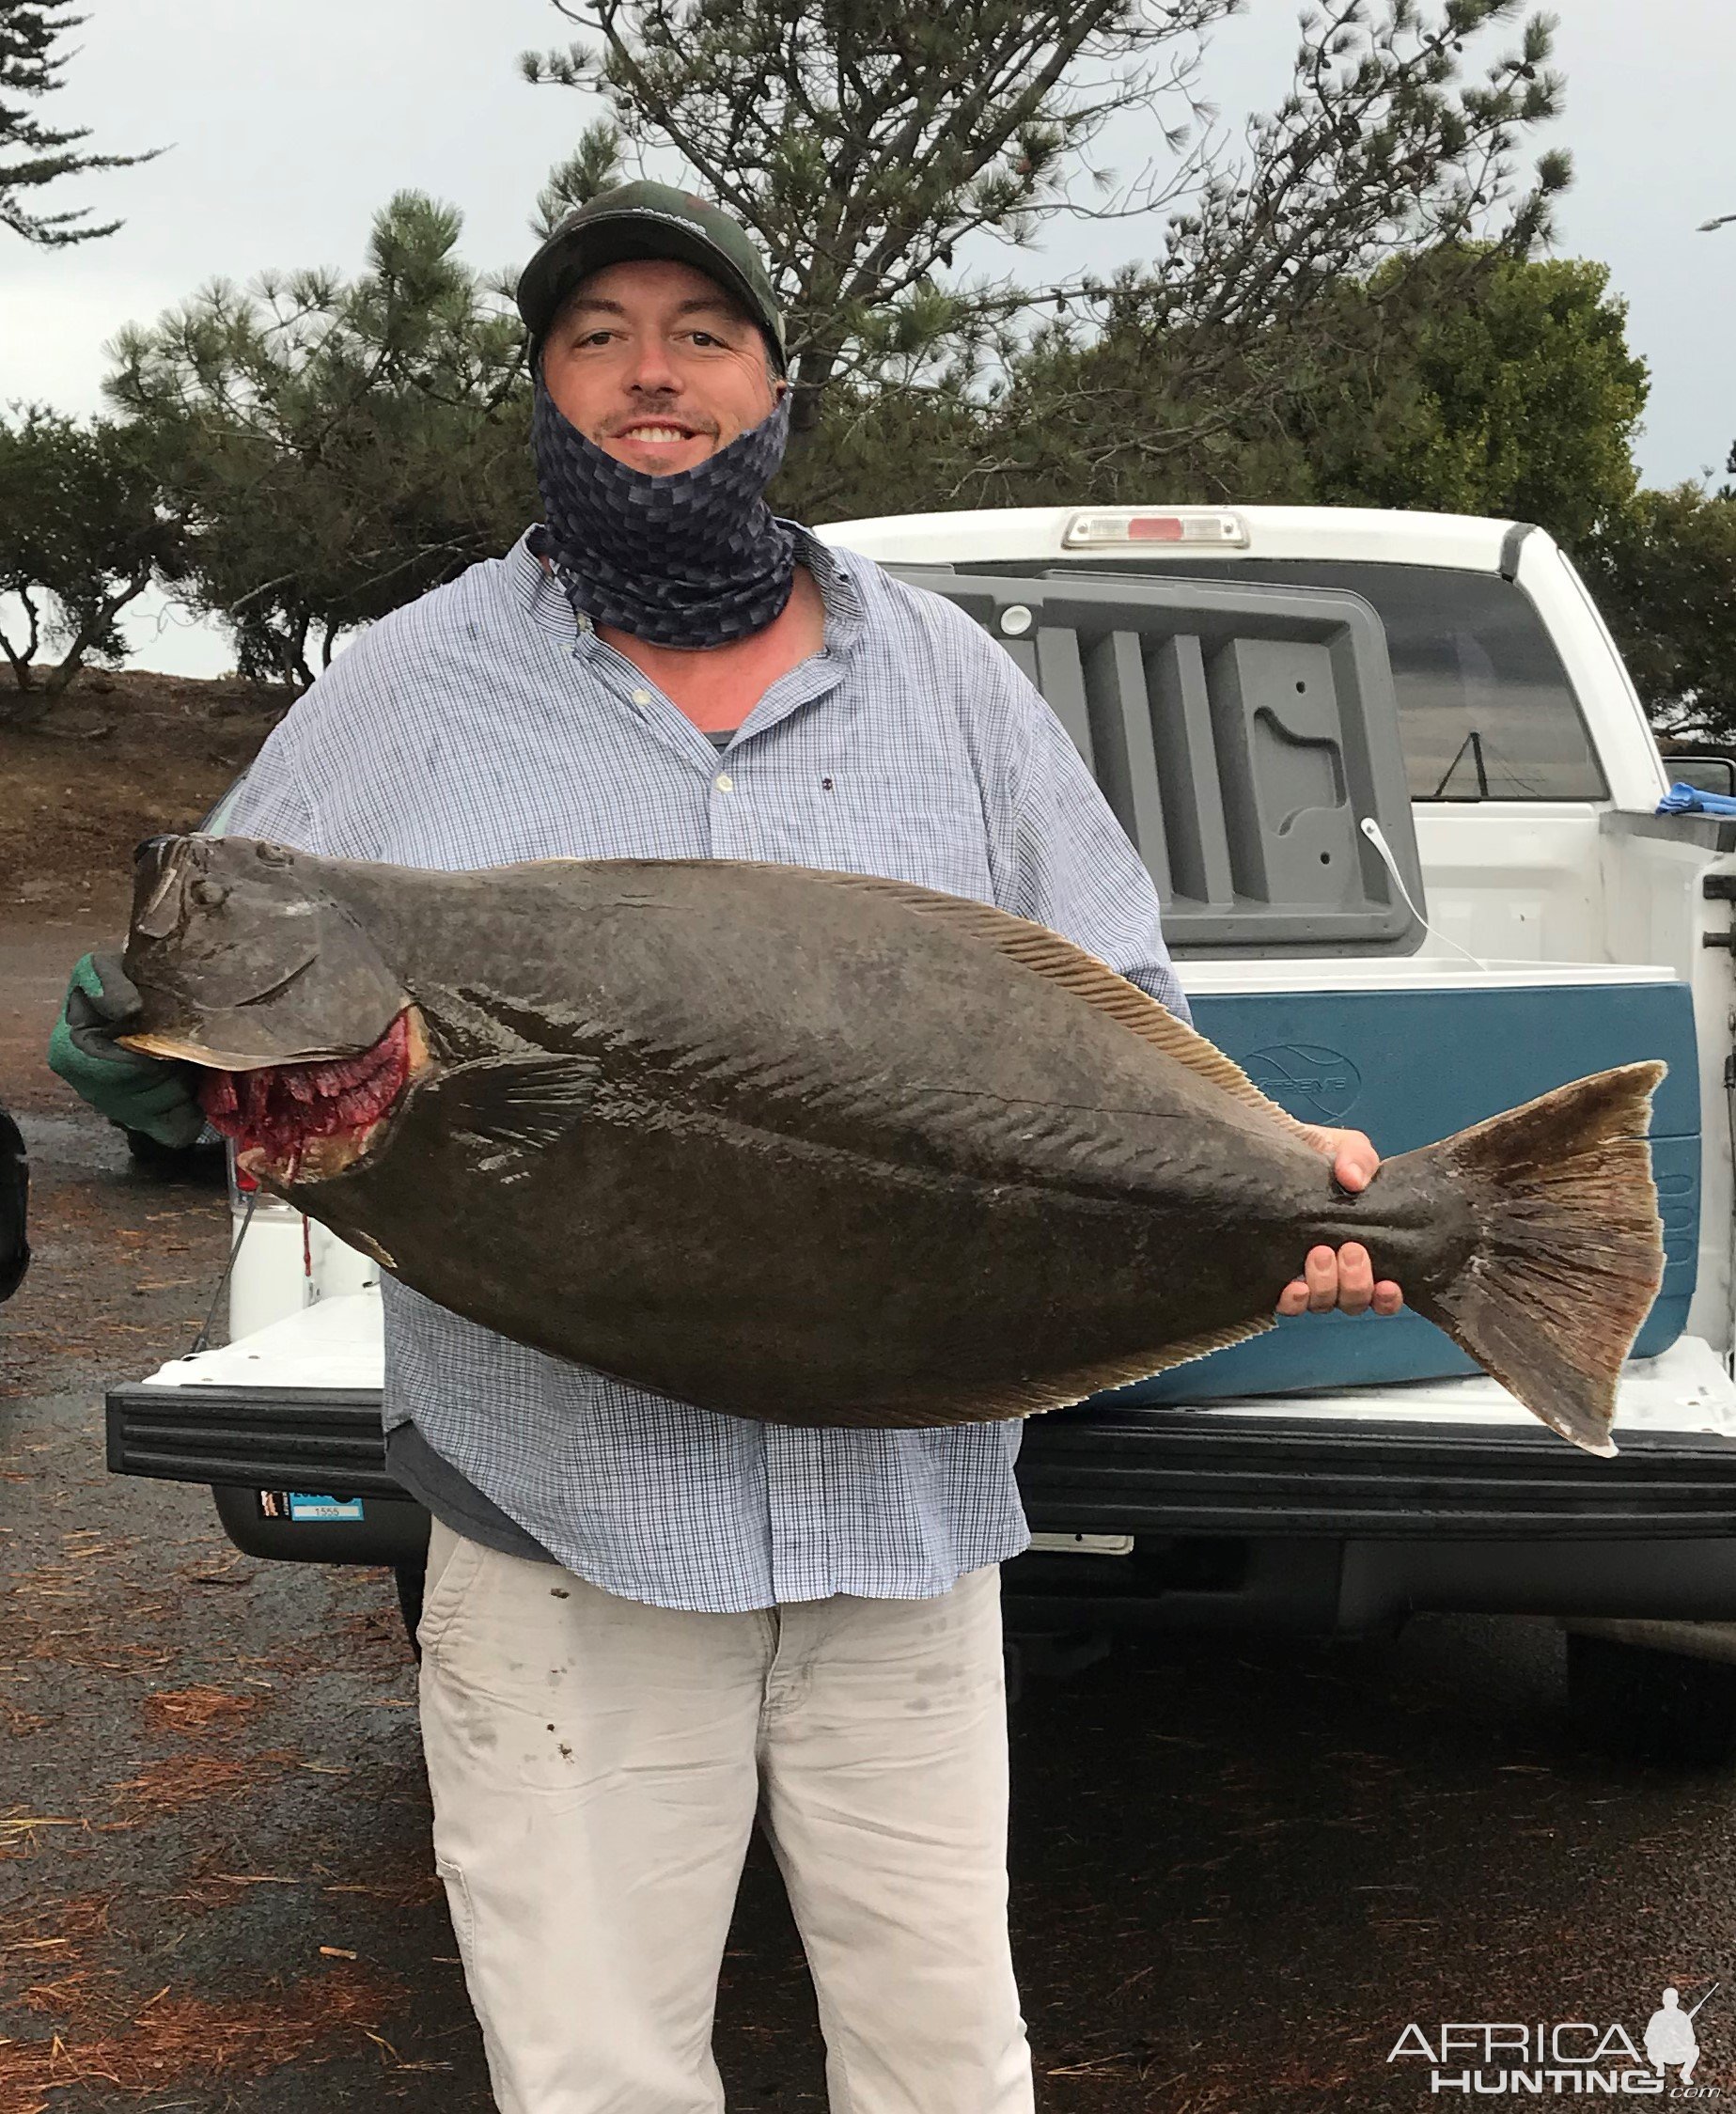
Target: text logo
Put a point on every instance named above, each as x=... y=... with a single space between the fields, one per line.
x=1310 y=1080
x=1571 y=2058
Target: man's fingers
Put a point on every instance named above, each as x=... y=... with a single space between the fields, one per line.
x=1345 y=1280
x=1321 y=1272
x=1356 y=1278
x=1355 y=1162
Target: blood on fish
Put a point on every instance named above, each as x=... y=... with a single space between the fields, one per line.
x=284 y=1107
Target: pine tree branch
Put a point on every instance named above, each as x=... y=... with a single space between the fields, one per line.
x=31 y=66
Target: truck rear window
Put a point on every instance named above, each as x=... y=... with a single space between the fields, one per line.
x=1485 y=708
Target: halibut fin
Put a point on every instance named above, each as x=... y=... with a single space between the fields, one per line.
x=517 y=1102
x=1570 y=1251
x=1058 y=961
x=1030 y=1398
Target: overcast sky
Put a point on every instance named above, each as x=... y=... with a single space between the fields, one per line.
x=288 y=126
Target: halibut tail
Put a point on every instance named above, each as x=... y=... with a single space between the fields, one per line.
x=1570 y=1248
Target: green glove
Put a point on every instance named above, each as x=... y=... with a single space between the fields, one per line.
x=140 y=1094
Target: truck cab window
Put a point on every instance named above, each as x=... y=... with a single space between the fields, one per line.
x=1485 y=708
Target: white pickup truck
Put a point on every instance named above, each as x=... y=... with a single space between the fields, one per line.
x=1399 y=799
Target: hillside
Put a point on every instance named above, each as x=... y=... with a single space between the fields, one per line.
x=124 y=756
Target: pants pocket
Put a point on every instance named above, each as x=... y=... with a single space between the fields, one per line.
x=447 y=1587
x=458 y=1906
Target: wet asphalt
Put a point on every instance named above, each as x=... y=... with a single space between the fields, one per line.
x=1239 y=1868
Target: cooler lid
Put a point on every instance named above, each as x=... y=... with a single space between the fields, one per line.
x=1242 y=734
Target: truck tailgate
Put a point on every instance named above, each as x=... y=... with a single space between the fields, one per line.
x=297 y=1405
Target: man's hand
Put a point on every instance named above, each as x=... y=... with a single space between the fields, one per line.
x=1345 y=1280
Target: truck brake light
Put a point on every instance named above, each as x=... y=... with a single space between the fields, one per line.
x=1129 y=524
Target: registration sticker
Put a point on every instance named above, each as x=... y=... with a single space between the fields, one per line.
x=303 y=1505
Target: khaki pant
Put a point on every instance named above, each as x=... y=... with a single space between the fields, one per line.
x=596 y=1766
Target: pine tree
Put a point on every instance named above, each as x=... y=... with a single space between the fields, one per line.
x=336 y=447
x=33 y=154
x=865 y=142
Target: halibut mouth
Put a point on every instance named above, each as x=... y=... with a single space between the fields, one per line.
x=208 y=1057
x=315 y=1116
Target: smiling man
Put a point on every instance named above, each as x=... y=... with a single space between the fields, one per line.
x=652 y=364
x=647 y=1625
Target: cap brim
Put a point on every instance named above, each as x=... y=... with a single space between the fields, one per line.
x=618 y=238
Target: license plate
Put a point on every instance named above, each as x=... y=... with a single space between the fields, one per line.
x=1086 y=1545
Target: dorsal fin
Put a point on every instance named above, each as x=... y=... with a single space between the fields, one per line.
x=1048 y=955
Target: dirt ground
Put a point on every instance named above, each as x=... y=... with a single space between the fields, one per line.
x=1238 y=1868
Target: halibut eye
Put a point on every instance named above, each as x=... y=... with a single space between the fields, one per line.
x=209 y=894
x=274 y=855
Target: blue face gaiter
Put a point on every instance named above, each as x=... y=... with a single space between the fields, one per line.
x=694 y=558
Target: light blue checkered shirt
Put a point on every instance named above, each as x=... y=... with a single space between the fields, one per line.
x=484 y=725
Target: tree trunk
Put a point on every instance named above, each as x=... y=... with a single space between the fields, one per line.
x=95 y=624
x=815 y=366
x=295 y=653
x=21 y=662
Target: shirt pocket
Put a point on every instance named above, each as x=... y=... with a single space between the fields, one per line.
x=933 y=835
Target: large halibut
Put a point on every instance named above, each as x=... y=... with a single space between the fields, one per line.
x=823 y=1149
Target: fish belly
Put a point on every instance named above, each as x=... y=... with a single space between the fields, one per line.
x=770 y=1275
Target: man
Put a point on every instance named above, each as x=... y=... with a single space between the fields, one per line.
x=644 y=1620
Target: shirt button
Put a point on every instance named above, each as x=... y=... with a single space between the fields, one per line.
x=724 y=782
x=641 y=697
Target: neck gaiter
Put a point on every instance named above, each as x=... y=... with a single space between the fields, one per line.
x=695 y=559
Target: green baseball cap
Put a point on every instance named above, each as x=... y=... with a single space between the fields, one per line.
x=647 y=220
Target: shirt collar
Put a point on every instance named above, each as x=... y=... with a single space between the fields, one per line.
x=839 y=588
x=544 y=602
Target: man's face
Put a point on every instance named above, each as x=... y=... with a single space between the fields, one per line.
x=654 y=362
